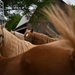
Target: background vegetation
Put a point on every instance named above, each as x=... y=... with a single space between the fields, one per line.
x=24 y=5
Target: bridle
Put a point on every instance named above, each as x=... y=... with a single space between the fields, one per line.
x=1 y=43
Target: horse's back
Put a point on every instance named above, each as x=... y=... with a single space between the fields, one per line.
x=40 y=60
x=61 y=43
x=47 y=60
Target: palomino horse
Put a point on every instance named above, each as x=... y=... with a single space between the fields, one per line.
x=46 y=59
x=10 y=45
x=17 y=34
x=37 y=38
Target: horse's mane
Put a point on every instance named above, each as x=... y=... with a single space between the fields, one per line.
x=65 y=23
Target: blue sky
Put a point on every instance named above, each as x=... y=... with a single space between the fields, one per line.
x=70 y=1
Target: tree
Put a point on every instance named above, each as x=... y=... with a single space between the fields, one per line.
x=34 y=15
x=37 y=16
x=13 y=21
x=24 y=4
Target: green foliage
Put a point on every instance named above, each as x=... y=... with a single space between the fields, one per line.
x=13 y=21
x=36 y=18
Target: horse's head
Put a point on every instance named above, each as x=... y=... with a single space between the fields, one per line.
x=28 y=35
x=1 y=34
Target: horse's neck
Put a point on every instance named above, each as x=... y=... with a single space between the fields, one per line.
x=42 y=38
x=10 y=45
x=9 y=38
x=39 y=37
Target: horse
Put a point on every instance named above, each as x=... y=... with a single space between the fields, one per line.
x=40 y=60
x=17 y=34
x=10 y=45
x=37 y=38
x=50 y=59
x=46 y=59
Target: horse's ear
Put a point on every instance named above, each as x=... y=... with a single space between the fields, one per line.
x=31 y=31
x=3 y=25
x=26 y=29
